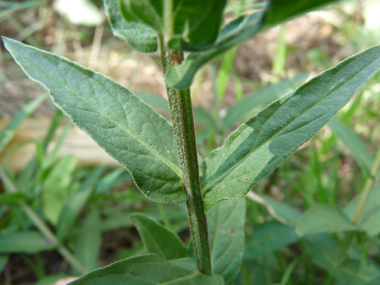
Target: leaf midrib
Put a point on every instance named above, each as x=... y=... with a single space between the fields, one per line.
x=270 y=138
x=100 y=112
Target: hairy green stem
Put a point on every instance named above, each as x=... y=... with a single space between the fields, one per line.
x=44 y=229
x=183 y=126
x=367 y=188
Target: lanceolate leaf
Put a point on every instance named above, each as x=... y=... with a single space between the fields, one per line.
x=237 y=32
x=226 y=234
x=117 y=120
x=157 y=239
x=141 y=37
x=24 y=242
x=89 y=241
x=266 y=139
x=149 y=270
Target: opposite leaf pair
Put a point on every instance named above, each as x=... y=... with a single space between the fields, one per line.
x=143 y=142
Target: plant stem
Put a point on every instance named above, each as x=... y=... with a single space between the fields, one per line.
x=44 y=229
x=367 y=187
x=183 y=126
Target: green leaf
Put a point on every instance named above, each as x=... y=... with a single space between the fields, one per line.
x=267 y=238
x=356 y=146
x=28 y=242
x=323 y=219
x=324 y=249
x=139 y=36
x=254 y=102
x=158 y=239
x=148 y=270
x=369 y=217
x=89 y=241
x=12 y=198
x=71 y=212
x=118 y=121
x=9 y=131
x=226 y=235
x=279 y=11
x=236 y=32
x=268 y=138
x=75 y=204
x=283 y=210
x=195 y=23
x=56 y=188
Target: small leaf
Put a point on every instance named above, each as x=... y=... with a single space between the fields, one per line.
x=71 y=212
x=158 y=239
x=89 y=241
x=117 y=120
x=323 y=219
x=353 y=143
x=260 y=99
x=268 y=138
x=236 y=32
x=75 y=204
x=195 y=24
x=139 y=36
x=9 y=131
x=267 y=238
x=226 y=235
x=147 y=270
x=25 y=242
x=56 y=188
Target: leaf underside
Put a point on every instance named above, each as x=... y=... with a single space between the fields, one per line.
x=139 y=36
x=266 y=139
x=116 y=119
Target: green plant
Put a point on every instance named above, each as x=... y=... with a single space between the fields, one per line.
x=162 y=158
